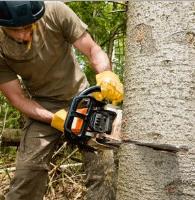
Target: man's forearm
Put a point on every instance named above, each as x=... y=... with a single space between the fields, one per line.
x=99 y=60
x=97 y=57
x=33 y=110
x=12 y=90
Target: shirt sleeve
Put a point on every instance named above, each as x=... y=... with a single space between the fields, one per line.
x=6 y=74
x=72 y=26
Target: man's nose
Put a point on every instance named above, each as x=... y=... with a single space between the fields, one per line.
x=24 y=36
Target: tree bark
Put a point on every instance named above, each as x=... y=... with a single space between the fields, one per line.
x=159 y=102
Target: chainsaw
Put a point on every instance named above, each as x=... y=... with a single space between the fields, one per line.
x=96 y=125
x=91 y=123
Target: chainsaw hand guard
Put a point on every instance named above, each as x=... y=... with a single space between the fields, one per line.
x=87 y=118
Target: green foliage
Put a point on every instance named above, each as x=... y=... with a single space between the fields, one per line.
x=103 y=18
x=9 y=116
x=7 y=155
x=107 y=24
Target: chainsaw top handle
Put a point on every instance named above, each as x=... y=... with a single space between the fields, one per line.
x=90 y=90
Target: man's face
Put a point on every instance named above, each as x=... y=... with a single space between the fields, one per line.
x=20 y=34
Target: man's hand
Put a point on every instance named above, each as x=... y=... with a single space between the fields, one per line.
x=59 y=119
x=111 y=87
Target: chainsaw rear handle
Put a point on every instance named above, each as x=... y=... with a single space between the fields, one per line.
x=73 y=113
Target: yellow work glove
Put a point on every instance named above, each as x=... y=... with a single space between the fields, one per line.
x=111 y=87
x=59 y=119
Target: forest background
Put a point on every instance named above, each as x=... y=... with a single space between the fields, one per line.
x=107 y=25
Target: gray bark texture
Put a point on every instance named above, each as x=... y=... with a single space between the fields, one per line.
x=159 y=102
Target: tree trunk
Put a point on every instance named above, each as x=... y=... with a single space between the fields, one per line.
x=159 y=102
x=11 y=137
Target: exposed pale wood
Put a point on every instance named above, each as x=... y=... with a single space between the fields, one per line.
x=62 y=167
x=7 y=170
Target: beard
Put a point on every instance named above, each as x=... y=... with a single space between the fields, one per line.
x=18 y=49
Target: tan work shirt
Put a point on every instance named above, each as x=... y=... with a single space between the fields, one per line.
x=49 y=69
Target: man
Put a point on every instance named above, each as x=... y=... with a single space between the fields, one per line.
x=36 y=40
